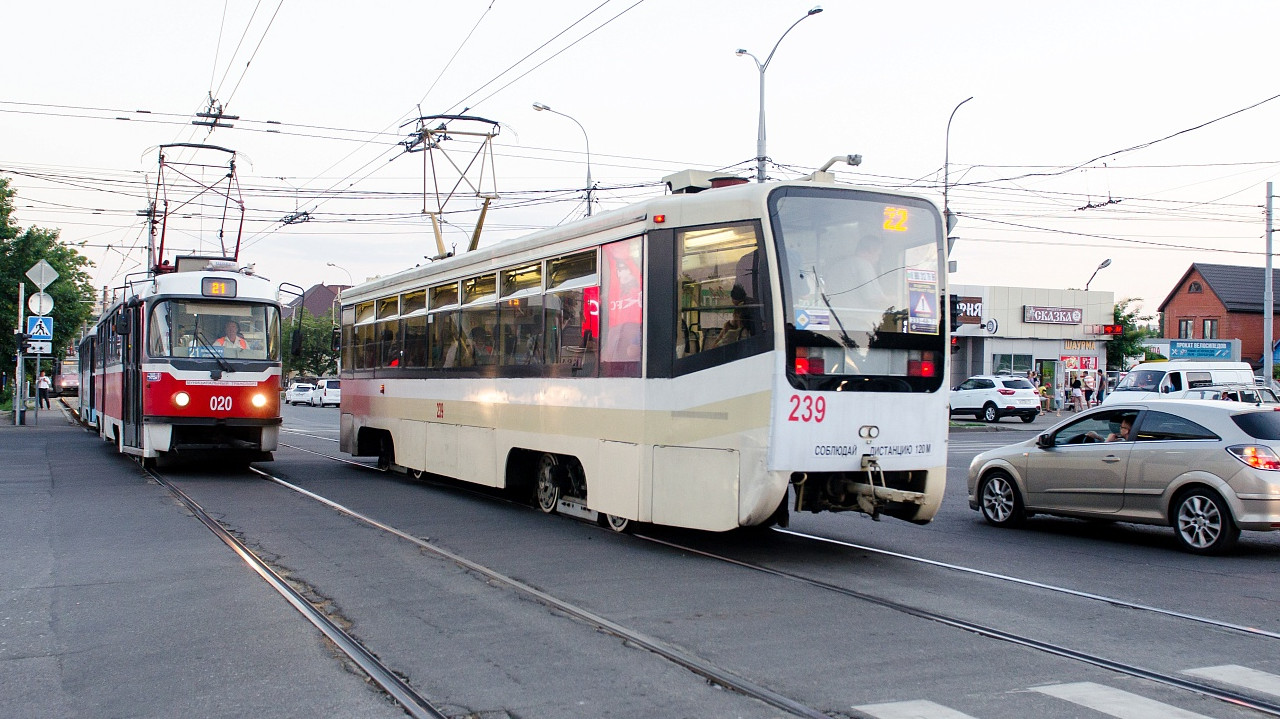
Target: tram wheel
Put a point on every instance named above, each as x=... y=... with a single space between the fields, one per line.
x=547 y=489
x=621 y=525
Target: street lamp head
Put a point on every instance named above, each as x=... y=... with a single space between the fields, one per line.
x=540 y=107
x=740 y=52
x=816 y=9
x=1105 y=264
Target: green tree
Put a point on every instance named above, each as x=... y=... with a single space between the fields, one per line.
x=72 y=292
x=317 y=358
x=1129 y=342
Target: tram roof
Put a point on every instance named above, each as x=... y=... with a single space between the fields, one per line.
x=713 y=205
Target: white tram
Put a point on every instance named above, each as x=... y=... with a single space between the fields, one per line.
x=682 y=361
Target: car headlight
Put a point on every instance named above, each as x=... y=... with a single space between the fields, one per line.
x=182 y=399
x=259 y=400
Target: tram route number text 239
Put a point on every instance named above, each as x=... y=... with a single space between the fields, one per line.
x=807 y=408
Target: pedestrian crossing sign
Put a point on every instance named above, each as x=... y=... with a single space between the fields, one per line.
x=40 y=328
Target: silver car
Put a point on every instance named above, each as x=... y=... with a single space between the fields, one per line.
x=1206 y=468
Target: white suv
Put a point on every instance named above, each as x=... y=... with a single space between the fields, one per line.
x=327 y=392
x=990 y=397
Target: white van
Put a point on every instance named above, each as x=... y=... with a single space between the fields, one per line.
x=1153 y=380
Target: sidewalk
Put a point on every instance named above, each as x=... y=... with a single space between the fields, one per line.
x=962 y=423
x=114 y=601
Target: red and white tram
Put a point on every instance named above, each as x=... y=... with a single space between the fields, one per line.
x=190 y=361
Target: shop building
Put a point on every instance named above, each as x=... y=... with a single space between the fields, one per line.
x=1057 y=333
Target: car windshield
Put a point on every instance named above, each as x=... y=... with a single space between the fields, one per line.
x=861 y=284
x=1259 y=425
x=198 y=328
x=1146 y=380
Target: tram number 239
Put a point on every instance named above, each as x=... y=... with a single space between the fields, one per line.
x=807 y=408
x=220 y=403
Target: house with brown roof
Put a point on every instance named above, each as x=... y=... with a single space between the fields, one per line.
x=1220 y=302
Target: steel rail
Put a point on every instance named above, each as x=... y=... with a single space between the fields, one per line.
x=413 y=702
x=1206 y=690
x=1254 y=631
x=688 y=661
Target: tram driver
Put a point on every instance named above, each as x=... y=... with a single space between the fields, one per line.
x=232 y=342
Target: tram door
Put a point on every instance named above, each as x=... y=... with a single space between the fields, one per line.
x=131 y=410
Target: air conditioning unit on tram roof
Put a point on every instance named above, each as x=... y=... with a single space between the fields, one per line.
x=687 y=182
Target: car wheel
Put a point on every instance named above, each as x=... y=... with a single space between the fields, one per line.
x=1203 y=522
x=990 y=413
x=1028 y=418
x=999 y=501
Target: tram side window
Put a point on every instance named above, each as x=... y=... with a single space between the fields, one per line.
x=348 y=355
x=444 y=345
x=365 y=347
x=571 y=332
x=389 y=349
x=520 y=331
x=621 y=308
x=479 y=328
x=415 y=341
x=722 y=287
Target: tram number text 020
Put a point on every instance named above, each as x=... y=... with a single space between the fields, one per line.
x=220 y=403
x=807 y=408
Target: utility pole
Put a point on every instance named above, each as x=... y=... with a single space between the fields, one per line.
x=19 y=402
x=1268 y=303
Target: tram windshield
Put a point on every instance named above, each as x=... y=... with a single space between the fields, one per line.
x=861 y=288
x=199 y=328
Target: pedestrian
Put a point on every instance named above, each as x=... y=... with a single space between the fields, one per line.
x=1059 y=397
x=43 y=385
x=1090 y=384
x=1102 y=386
x=1077 y=396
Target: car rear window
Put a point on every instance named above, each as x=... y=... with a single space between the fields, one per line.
x=1017 y=384
x=1259 y=425
x=333 y=384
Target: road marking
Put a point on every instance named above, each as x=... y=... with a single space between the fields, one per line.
x=1115 y=702
x=919 y=709
x=1240 y=676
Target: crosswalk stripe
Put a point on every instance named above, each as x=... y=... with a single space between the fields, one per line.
x=1116 y=702
x=919 y=709
x=1241 y=677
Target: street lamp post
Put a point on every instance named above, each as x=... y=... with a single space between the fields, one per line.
x=1105 y=264
x=541 y=107
x=946 y=176
x=350 y=282
x=762 y=66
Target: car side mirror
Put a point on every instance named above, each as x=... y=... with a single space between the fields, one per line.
x=1044 y=441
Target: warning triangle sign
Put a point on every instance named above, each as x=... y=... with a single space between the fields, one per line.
x=923 y=307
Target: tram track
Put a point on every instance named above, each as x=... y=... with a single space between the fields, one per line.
x=1238 y=699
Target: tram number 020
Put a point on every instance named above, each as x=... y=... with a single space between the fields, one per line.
x=220 y=403
x=807 y=408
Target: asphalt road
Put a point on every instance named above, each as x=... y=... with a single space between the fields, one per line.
x=481 y=650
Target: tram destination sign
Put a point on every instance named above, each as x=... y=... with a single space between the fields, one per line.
x=1053 y=315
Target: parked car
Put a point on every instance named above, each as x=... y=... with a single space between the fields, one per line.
x=1206 y=468
x=298 y=393
x=1252 y=394
x=990 y=397
x=326 y=392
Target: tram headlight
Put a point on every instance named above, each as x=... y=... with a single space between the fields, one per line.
x=182 y=399
x=259 y=400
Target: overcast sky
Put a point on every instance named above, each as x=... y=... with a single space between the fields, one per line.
x=1037 y=173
